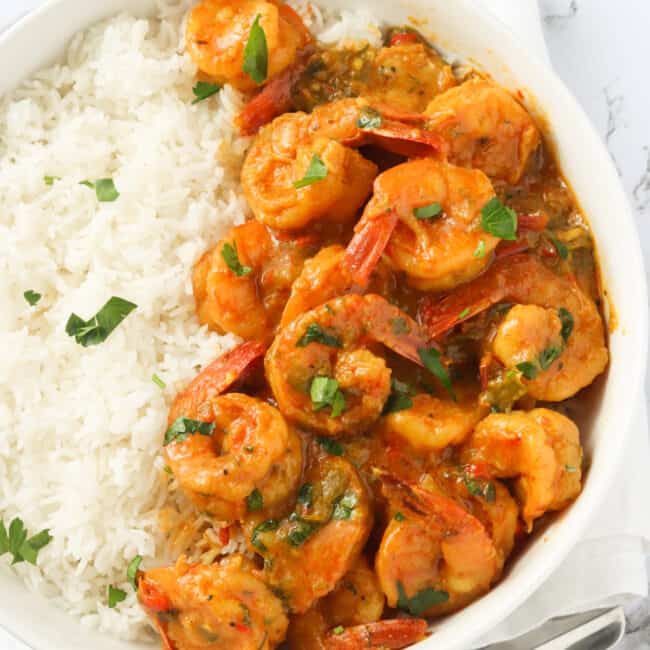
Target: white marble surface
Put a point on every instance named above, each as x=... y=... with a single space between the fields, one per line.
x=601 y=49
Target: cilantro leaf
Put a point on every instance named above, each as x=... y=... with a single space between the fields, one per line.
x=50 y=180
x=324 y=392
x=317 y=171
x=421 y=602
x=32 y=297
x=499 y=220
x=428 y=211
x=183 y=427
x=528 y=369
x=548 y=356
x=332 y=447
x=480 y=488
x=101 y=325
x=316 y=334
x=300 y=531
x=204 y=89
x=479 y=253
x=231 y=258
x=158 y=381
x=132 y=571
x=369 y=118
x=265 y=527
x=561 y=248
x=566 y=318
x=256 y=53
x=344 y=506
x=15 y=541
x=254 y=501
x=115 y=596
x=431 y=358
x=306 y=495
x=399 y=398
x=105 y=189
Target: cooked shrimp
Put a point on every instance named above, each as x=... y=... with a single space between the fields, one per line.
x=281 y=156
x=539 y=449
x=432 y=424
x=383 y=635
x=308 y=552
x=485 y=128
x=408 y=76
x=325 y=277
x=218 y=31
x=329 y=380
x=357 y=600
x=522 y=279
x=436 y=557
x=249 y=451
x=220 y=606
x=242 y=284
x=436 y=253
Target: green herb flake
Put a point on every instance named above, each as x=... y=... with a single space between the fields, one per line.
x=464 y=313
x=132 y=571
x=370 y=118
x=399 y=516
x=528 y=369
x=499 y=220
x=316 y=334
x=324 y=392
x=183 y=427
x=548 y=356
x=101 y=325
x=479 y=253
x=566 y=318
x=338 y=630
x=115 y=596
x=168 y=470
x=432 y=360
x=428 y=211
x=300 y=532
x=256 y=53
x=421 y=602
x=50 y=180
x=106 y=190
x=570 y=469
x=231 y=258
x=15 y=542
x=32 y=297
x=203 y=89
x=331 y=446
x=399 y=398
x=89 y=184
x=344 y=506
x=480 y=488
x=561 y=248
x=254 y=501
x=158 y=381
x=266 y=526
x=306 y=495
x=317 y=171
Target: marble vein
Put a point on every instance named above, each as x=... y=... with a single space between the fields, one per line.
x=641 y=191
x=615 y=107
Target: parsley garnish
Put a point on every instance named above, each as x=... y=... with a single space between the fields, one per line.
x=300 y=531
x=317 y=171
x=316 y=334
x=479 y=253
x=431 y=358
x=254 y=501
x=332 y=447
x=132 y=571
x=398 y=516
x=203 y=90
x=105 y=189
x=265 y=527
x=464 y=313
x=566 y=318
x=32 y=297
x=50 y=180
x=570 y=468
x=183 y=427
x=306 y=495
x=499 y=220
x=256 y=53
x=483 y=489
x=399 y=398
x=421 y=602
x=324 y=392
x=338 y=630
x=101 y=325
x=428 y=211
x=344 y=506
x=370 y=118
x=528 y=369
x=561 y=248
x=158 y=381
x=15 y=541
x=115 y=596
x=231 y=258
x=548 y=356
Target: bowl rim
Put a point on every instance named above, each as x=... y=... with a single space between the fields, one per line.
x=583 y=509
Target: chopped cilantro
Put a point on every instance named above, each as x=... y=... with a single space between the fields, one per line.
x=499 y=220
x=256 y=53
x=182 y=427
x=231 y=258
x=101 y=325
x=316 y=334
x=317 y=171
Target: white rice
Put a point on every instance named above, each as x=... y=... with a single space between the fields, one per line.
x=80 y=428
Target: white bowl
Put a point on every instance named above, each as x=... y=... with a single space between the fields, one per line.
x=459 y=27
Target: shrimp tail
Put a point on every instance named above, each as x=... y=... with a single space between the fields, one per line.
x=389 y=634
x=221 y=375
x=274 y=99
x=367 y=247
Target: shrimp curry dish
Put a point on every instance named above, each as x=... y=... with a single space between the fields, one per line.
x=415 y=294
